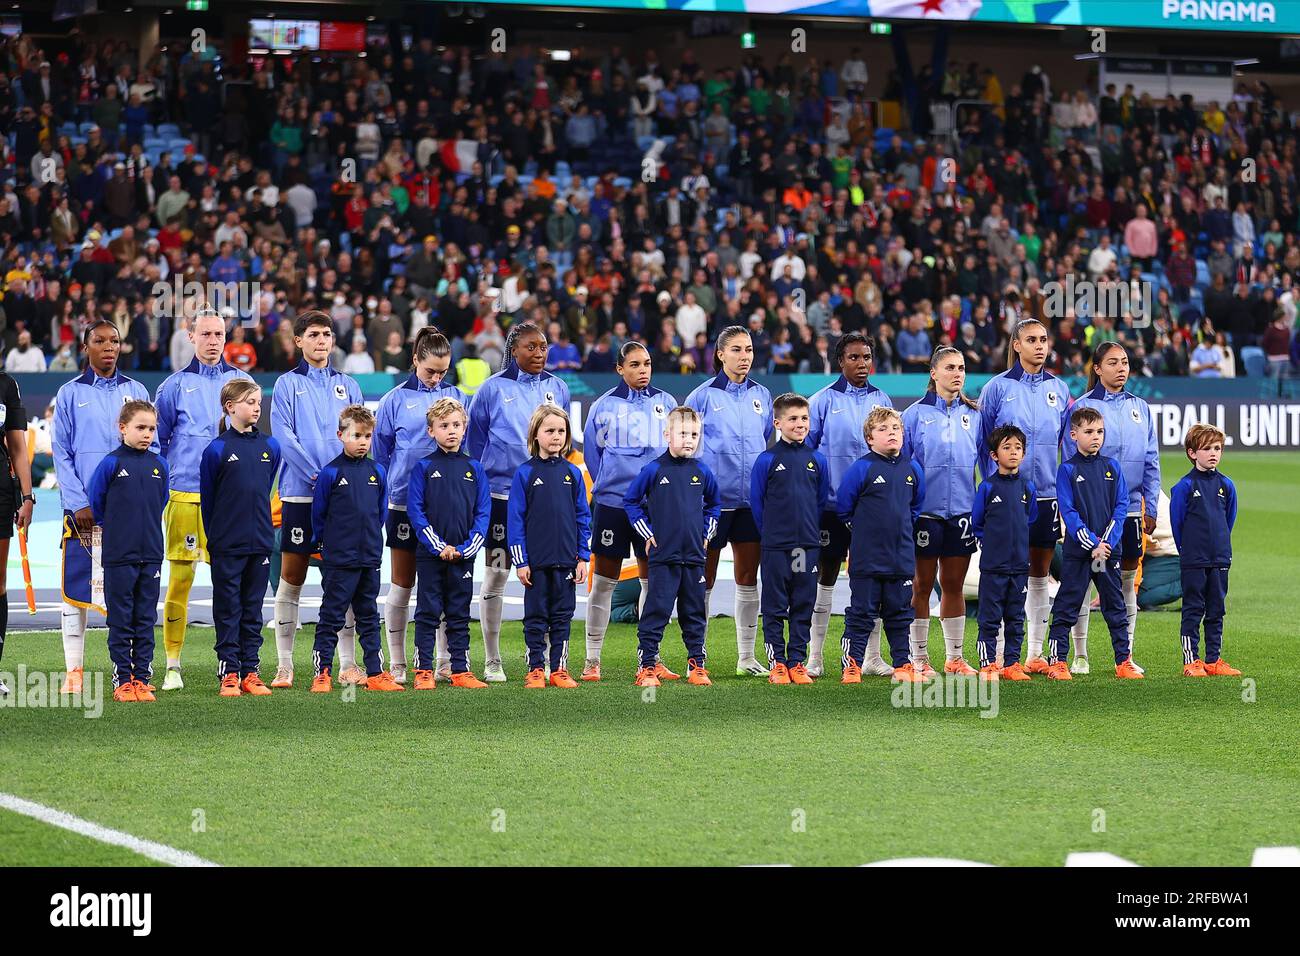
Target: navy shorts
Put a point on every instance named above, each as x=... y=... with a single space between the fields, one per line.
x=397 y=532
x=836 y=538
x=735 y=526
x=296 y=535
x=498 y=547
x=611 y=533
x=1130 y=545
x=1045 y=532
x=944 y=537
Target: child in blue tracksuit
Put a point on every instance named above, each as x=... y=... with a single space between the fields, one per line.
x=673 y=504
x=236 y=473
x=549 y=528
x=1093 y=499
x=790 y=484
x=1202 y=511
x=1004 y=509
x=448 y=504
x=349 y=509
x=127 y=494
x=880 y=499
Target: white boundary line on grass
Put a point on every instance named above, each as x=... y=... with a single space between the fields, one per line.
x=66 y=821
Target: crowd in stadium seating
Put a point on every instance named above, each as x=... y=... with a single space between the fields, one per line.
x=617 y=196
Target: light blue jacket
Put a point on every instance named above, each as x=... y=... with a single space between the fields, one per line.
x=498 y=421
x=1130 y=440
x=737 y=420
x=189 y=411
x=836 y=415
x=943 y=438
x=625 y=432
x=1039 y=405
x=305 y=407
x=85 y=429
x=402 y=431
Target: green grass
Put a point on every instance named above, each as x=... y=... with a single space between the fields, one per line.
x=1186 y=772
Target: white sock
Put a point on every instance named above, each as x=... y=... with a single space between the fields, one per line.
x=441 y=656
x=73 y=626
x=919 y=639
x=821 y=621
x=1128 y=585
x=746 y=620
x=489 y=610
x=1037 y=604
x=348 y=642
x=873 y=643
x=708 y=600
x=1079 y=633
x=602 y=593
x=954 y=635
x=1002 y=643
x=640 y=600
x=286 y=620
x=397 y=611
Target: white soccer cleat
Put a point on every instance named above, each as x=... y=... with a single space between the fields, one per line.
x=399 y=673
x=750 y=667
x=814 y=667
x=493 y=672
x=1080 y=666
x=878 y=667
x=443 y=672
x=4 y=689
x=172 y=679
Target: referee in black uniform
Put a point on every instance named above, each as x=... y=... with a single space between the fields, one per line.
x=16 y=498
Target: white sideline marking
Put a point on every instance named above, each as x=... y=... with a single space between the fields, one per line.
x=154 y=851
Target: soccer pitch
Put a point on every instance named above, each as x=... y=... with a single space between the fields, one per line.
x=1166 y=771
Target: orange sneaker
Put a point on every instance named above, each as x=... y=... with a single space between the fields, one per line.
x=424 y=680
x=321 y=683
x=230 y=685
x=664 y=673
x=1015 y=672
x=799 y=675
x=535 y=679
x=852 y=673
x=383 y=681
x=697 y=675
x=252 y=684
x=1037 y=665
x=561 y=678
x=958 y=666
x=1128 y=670
x=143 y=692
x=908 y=674
x=466 y=679
x=1221 y=668
x=1195 y=669
x=1059 y=671
x=590 y=671
x=779 y=674
x=124 y=692
x=72 y=683
x=991 y=672
x=645 y=677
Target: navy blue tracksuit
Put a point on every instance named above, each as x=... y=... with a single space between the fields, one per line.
x=675 y=501
x=790 y=484
x=548 y=528
x=127 y=493
x=448 y=502
x=349 y=509
x=1004 y=509
x=880 y=498
x=1093 y=500
x=1202 y=511
x=236 y=473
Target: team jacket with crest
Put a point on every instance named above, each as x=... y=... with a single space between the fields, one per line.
x=548 y=522
x=737 y=422
x=880 y=498
x=85 y=429
x=1093 y=499
x=1130 y=440
x=675 y=501
x=835 y=418
x=236 y=475
x=189 y=412
x=305 y=407
x=498 y=420
x=402 y=430
x=943 y=438
x=127 y=494
x=1004 y=508
x=791 y=486
x=625 y=431
x=348 y=511
x=447 y=503
x=1039 y=405
x=1202 y=511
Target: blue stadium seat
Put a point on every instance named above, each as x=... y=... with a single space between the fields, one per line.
x=85 y=127
x=1252 y=357
x=169 y=129
x=1202 y=273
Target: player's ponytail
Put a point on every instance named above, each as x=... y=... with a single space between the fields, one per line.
x=930 y=387
x=429 y=343
x=1015 y=337
x=1098 y=354
x=233 y=392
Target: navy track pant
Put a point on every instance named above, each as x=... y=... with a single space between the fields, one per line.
x=1205 y=591
x=357 y=588
x=789 y=590
x=1077 y=570
x=131 y=593
x=890 y=600
x=549 y=605
x=1002 y=604
x=239 y=584
x=445 y=589
x=669 y=584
